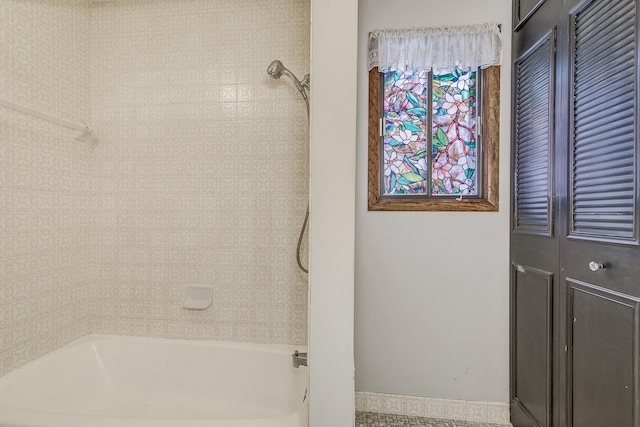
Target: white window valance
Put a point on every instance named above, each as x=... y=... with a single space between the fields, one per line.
x=473 y=46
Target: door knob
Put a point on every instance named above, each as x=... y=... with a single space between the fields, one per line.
x=595 y=266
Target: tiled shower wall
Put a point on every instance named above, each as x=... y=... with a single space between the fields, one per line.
x=201 y=167
x=45 y=179
x=199 y=174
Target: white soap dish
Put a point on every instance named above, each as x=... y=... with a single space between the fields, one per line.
x=199 y=297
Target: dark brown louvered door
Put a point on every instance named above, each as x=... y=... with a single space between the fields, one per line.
x=534 y=244
x=600 y=256
x=575 y=237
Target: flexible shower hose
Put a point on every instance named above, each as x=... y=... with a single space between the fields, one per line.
x=304 y=227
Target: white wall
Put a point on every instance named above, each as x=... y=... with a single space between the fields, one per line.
x=333 y=114
x=432 y=287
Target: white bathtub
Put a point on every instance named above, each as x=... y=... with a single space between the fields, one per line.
x=102 y=381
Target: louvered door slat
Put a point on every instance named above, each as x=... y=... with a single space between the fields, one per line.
x=596 y=172
x=586 y=130
x=594 y=146
x=602 y=187
x=591 y=75
x=614 y=197
x=532 y=199
x=623 y=157
x=534 y=76
x=528 y=131
x=603 y=183
x=532 y=107
x=527 y=123
x=597 y=92
x=602 y=53
x=533 y=139
x=535 y=168
x=593 y=37
x=612 y=227
x=599 y=16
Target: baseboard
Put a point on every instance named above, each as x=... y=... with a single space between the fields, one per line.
x=416 y=406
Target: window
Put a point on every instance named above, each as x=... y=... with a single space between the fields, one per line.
x=440 y=155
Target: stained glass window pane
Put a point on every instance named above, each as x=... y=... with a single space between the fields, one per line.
x=405 y=142
x=454 y=152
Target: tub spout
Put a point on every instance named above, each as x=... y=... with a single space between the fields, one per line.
x=299 y=359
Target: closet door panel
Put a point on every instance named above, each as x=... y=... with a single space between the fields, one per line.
x=602 y=343
x=532 y=302
x=523 y=9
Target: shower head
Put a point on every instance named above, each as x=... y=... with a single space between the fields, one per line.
x=276 y=70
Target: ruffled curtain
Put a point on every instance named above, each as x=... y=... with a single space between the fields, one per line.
x=467 y=46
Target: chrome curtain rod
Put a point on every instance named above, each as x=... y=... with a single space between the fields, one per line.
x=83 y=130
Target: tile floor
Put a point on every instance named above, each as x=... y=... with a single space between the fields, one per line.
x=372 y=419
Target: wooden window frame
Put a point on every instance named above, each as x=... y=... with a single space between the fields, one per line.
x=487 y=201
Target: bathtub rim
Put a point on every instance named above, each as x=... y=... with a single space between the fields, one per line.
x=20 y=417
x=13 y=417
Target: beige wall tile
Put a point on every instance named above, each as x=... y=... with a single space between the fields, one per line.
x=44 y=181
x=195 y=183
